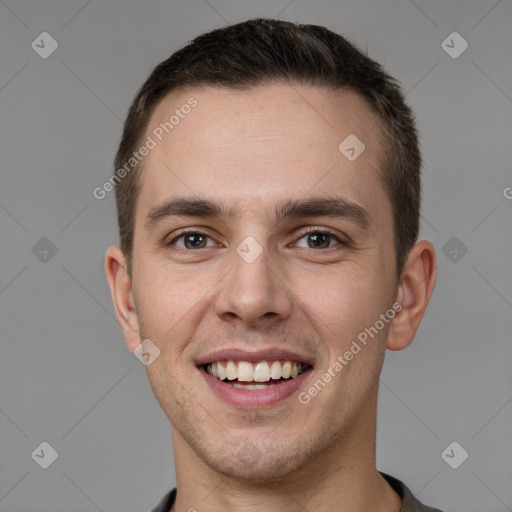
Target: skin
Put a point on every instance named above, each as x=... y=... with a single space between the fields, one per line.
x=253 y=149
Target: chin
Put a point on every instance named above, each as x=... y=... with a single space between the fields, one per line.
x=257 y=463
x=271 y=468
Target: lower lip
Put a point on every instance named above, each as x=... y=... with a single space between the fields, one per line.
x=254 y=398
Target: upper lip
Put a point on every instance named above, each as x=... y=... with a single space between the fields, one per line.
x=237 y=354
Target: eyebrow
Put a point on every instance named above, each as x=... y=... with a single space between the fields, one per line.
x=335 y=207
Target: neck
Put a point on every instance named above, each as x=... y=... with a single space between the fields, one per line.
x=343 y=478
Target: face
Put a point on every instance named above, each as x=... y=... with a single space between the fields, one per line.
x=289 y=261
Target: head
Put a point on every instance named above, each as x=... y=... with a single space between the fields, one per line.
x=250 y=164
x=258 y=52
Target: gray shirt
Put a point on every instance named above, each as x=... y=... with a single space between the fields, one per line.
x=409 y=502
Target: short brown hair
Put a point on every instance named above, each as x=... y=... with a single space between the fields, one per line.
x=261 y=51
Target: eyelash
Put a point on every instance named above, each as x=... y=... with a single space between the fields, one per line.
x=304 y=233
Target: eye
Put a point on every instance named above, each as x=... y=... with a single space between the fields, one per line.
x=191 y=240
x=319 y=239
x=315 y=239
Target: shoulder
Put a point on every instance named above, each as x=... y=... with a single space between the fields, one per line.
x=409 y=502
x=166 y=502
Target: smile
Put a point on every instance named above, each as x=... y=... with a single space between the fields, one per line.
x=243 y=373
x=246 y=384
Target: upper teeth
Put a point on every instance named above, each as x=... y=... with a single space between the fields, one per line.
x=254 y=372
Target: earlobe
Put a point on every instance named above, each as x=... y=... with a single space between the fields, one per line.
x=414 y=292
x=122 y=295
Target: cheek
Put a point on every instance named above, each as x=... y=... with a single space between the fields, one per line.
x=168 y=306
x=344 y=302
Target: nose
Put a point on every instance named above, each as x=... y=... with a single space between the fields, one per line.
x=254 y=292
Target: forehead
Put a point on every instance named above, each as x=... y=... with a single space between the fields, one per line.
x=253 y=147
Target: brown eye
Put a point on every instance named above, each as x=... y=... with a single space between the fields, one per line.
x=191 y=240
x=320 y=239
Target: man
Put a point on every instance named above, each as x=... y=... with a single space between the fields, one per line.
x=268 y=195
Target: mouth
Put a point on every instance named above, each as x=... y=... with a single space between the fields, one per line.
x=249 y=384
x=254 y=376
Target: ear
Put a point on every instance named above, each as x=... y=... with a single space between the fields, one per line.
x=414 y=291
x=122 y=296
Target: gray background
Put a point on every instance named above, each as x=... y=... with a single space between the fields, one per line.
x=66 y=376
